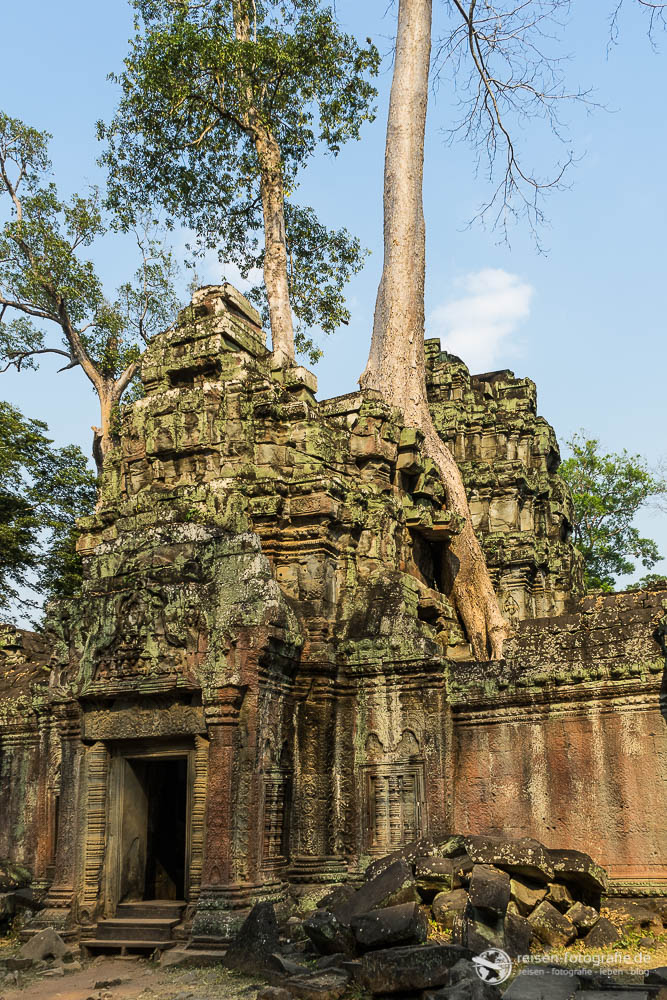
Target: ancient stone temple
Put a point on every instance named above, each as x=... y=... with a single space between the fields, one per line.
x=264 y=684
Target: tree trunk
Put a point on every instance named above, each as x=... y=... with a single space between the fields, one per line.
x=273 y=207
x=275 y=250
x=103 y=436
x=396 y=365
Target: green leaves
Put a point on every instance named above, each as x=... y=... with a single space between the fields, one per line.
x=46 y=284
x=42 y=492
x=205 y=84
x=320 y=262
x=608 y=490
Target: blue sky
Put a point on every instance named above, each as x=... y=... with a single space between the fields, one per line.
x=585 y=320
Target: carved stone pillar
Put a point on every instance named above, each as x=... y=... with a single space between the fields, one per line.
x=313 y=857
x=97 y=772
x=218 y=897
x=60 y=899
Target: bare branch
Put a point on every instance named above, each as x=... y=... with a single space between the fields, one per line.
x=24 y=307
x=18 y=359
x=499 y=55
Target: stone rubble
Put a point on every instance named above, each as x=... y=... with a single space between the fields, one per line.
x=518 y=896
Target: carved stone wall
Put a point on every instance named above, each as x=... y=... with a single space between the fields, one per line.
x=509 y=459
x=263 y=592
x=567 y=740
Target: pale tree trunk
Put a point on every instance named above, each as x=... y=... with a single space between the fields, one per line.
x=103 y=436
x=275 y=250
x=396 y=365
x=273 y=207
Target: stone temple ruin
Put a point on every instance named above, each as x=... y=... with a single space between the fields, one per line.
x=263 y=685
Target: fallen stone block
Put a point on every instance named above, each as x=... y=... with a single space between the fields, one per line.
x=583 y=917
x=602 y=934
x=451 y=846
x=280 y=963
x=416 y=849
x=43 y=945
x=396 y=884
x=17 y=964
x=542 y=985
x=464 y=969
x=329 y=985
x=336 y=897
x=489 y=889
x=466 y=989
x=524 y=857
x=579 y=870
x=526 y=895
x=274 y=993
x=328 y=934
x=334 y=961
x=551 y=927
x=395 y=970
x=559 y=896
x=256 y=942
x=394 y=925
x=433 y=875
x=478 y=930
x=518 y=934
x=446 y=905
x=27 y=899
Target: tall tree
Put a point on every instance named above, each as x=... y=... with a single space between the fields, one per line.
x=223 y=103
x=396 y=366
x=608 y=491
x=42 y=492
x=46 y=284
x=501 y=66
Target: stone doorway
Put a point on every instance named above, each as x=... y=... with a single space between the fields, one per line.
x=151 y=821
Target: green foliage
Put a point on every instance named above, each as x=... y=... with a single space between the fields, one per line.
x=649 y=581
x=194 y=101
x=46 y=282
x=608 y=490
x=43 y=490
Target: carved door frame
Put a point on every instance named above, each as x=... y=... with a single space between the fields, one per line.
x=389 y=771
x=121 y=753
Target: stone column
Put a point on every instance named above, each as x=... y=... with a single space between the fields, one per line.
x=219 y=897
x=313 y=859
x=60 y=899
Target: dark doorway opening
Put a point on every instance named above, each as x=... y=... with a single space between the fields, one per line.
x=154 y=837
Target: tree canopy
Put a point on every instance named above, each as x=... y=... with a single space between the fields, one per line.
x=48 y=286
x=43 y=490
x=223 y=103
x=608 y=490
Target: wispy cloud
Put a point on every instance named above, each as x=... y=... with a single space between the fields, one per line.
x=209 y=269
x=480 y=324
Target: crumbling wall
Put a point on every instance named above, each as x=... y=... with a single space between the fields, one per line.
x=263 y=587
x=509 y=458
x=29 y=754
x=567 y=740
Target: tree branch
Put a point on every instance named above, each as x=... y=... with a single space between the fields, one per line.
x=18 y=359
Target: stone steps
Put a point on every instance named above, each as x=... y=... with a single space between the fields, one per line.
x=144 y=926
x=138 y=929
x=96 y=945
x=151 y=909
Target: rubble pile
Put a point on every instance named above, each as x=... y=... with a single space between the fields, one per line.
x=487 y=892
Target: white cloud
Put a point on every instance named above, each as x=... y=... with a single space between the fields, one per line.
x=479 y=325
x=209 y=269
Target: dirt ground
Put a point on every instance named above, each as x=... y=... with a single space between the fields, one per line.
x=132 y=979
